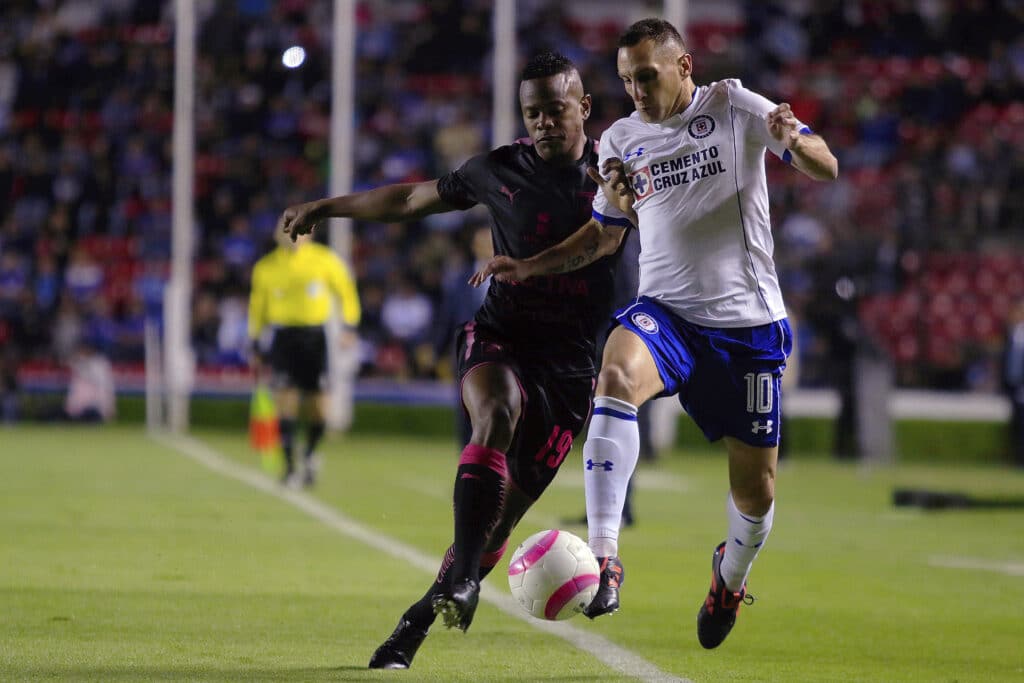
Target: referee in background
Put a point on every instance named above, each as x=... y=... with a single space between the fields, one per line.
x=295 y=290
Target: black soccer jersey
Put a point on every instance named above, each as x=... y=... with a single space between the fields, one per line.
x=553 y=319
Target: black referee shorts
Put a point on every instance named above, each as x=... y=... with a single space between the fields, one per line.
x=298 y=358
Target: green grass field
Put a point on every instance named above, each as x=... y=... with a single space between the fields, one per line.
x=124 y=560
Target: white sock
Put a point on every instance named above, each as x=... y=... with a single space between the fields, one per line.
x=609 y=458
x=747 y=535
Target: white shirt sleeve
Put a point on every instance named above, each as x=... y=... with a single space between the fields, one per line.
x=602 y=211
x=757 y=107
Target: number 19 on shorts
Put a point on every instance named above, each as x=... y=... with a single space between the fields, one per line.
x=760 y=390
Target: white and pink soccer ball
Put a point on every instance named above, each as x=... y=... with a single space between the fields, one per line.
x=553 y=575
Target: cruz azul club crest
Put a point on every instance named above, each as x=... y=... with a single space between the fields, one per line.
x=642 y=182
x=645 y=322
x=701 y=126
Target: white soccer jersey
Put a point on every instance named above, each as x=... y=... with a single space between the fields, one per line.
x=702 y=201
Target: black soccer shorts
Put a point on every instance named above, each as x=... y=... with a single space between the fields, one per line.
x=298 y=358
x=555 y=407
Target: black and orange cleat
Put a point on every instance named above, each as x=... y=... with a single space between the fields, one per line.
x=606 y=600
x=458 y=604
x=718 y=613
x=398 y=650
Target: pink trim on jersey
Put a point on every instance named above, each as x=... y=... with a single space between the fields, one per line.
x=567 y=592
x=533 y=553
x=492 y=558
x=490 y=458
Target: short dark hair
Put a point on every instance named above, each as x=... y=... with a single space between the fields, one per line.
x=547 y=63
x=658 y=30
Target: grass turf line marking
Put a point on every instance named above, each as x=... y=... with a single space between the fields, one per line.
x=973 y=563
x=600 y=648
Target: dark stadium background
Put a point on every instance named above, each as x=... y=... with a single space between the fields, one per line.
x=913 y=258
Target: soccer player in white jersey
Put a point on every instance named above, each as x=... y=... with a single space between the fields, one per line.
x=709 y=325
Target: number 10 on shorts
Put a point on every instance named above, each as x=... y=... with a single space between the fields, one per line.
x=759 y=391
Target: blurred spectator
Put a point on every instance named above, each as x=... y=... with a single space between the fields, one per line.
x=458 y=139
x=406 y=312
x=13 y=281
x=130 y=332
x=83 y=276
x=406 y=315
x=205 y=328
x=90 y=396
x=232 y=334
x=48 y=283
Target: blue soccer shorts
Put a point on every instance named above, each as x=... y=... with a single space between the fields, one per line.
x=727 y=379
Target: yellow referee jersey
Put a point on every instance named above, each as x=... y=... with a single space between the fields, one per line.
x=298 y=286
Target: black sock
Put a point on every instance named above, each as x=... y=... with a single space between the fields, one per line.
x=314 y=432
x=479 y=496
x=286 y=428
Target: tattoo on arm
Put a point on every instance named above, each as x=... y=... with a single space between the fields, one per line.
x=586 y=256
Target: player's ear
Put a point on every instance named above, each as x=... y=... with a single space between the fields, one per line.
x=685 y=63
x=585 y=107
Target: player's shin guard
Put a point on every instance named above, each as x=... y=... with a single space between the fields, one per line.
x=609 y=458
x=747 y=534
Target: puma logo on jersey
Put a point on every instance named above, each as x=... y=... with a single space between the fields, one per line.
x=511 y=194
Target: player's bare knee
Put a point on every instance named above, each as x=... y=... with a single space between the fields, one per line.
x=755 y=497
x=614 y=381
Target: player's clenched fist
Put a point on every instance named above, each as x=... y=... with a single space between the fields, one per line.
x=300 y=219
x=783 y=125
x=614 y=183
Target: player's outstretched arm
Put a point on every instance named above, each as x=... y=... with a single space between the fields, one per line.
x=579 y=249
x=388 y=204
x=811 y=154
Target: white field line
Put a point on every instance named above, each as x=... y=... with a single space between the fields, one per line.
x=977 y=564
x=600 y=648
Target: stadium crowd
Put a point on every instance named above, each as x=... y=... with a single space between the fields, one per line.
x=919 y=246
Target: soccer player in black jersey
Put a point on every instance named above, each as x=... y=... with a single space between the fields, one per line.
x=526 y=360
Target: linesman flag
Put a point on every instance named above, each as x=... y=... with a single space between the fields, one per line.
x=263 y=433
